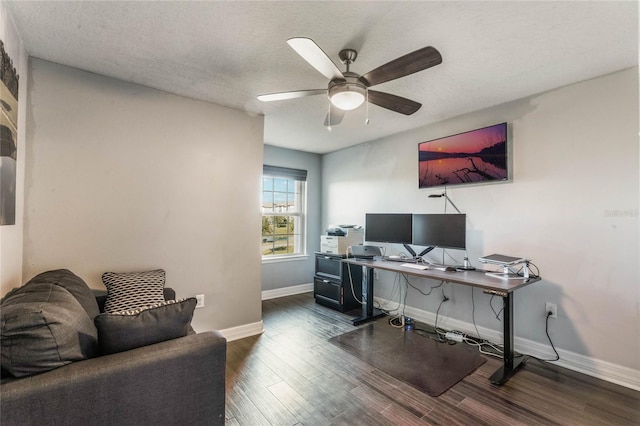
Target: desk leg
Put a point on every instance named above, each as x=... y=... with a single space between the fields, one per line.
x=504 y=373
x=369 y=313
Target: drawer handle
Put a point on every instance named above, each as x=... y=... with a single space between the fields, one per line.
x=325 y=281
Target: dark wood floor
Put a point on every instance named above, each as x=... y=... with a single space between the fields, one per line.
x=291 y=375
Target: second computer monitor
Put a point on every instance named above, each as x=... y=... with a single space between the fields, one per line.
x=440 y=230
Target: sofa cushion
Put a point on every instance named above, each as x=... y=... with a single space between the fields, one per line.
x=122 y=331
x=74 y=285
x=133 y=290
x=43 y=326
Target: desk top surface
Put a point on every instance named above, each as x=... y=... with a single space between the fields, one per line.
x=475 y=278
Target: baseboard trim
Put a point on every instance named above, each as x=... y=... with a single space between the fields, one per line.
x=242 y=331
x=286 y=291
x=599 y=369
x=248 y=330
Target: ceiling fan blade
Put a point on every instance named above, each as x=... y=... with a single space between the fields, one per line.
x=316 y=57
x=394 y=103
x=291 y=95
x=336 y=115
x=405 y=65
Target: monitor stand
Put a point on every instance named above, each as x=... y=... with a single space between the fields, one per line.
x=425 y=251
x=508 y=275
x=466 y=266
x=410 y=250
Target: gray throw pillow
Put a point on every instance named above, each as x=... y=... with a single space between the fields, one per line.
x=44 y=327
x=122 y=331
x=133 y=290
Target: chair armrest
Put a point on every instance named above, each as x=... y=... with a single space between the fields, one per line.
x=179 y=381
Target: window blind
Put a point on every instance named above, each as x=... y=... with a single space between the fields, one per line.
x=285 y=172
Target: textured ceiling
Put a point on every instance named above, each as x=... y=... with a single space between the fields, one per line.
x=228 y=52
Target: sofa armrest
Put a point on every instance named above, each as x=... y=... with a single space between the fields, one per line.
x=179 y=381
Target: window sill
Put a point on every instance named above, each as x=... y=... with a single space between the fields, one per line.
x=278 y=259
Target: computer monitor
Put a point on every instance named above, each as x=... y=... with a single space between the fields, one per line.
x=388 y=228
x=440 y=230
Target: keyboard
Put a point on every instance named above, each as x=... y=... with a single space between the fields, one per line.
x=415 y=266
x=423 y=267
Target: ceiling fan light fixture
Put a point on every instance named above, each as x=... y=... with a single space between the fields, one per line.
x=347 y=96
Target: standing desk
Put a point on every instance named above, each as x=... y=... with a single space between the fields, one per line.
x=476 y=278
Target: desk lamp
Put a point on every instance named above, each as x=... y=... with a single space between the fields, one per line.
x=444 y=194
x=466 y=266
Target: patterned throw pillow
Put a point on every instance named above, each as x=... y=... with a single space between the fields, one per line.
x=133 y=290
x=120 y=332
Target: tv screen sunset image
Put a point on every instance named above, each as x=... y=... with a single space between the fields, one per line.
x=471 y=157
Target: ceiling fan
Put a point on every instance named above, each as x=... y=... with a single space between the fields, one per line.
x=348 y=90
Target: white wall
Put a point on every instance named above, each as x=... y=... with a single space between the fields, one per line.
x=278 y=275
x=120 y=177
x=11 y=235
x=572 y=208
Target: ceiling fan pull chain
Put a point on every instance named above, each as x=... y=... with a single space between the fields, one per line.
x=329 y=118
x=366 y=121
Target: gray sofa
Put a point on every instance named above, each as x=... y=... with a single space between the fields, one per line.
x=177 y=381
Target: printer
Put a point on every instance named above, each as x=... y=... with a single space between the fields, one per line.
x=338 y=238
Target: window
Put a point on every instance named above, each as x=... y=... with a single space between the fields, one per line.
x=283 y=212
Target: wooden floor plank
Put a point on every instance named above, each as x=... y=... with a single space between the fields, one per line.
x=304 y=411
x=293 y=375
x=370 y=398
x=399 y=415
x=241 y=410
x=358 y=416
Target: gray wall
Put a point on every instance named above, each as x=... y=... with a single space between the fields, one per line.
x=572 y=208
x=120 y=177
x=281 y=274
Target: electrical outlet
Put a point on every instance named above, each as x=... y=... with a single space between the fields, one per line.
x=200 y=299
x=376 y=275
x=551 y=307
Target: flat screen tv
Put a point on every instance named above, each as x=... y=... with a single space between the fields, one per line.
x=440 y=230
x=477 y=156
x=388 y=228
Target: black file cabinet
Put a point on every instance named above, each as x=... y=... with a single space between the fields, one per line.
x=332 y=285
